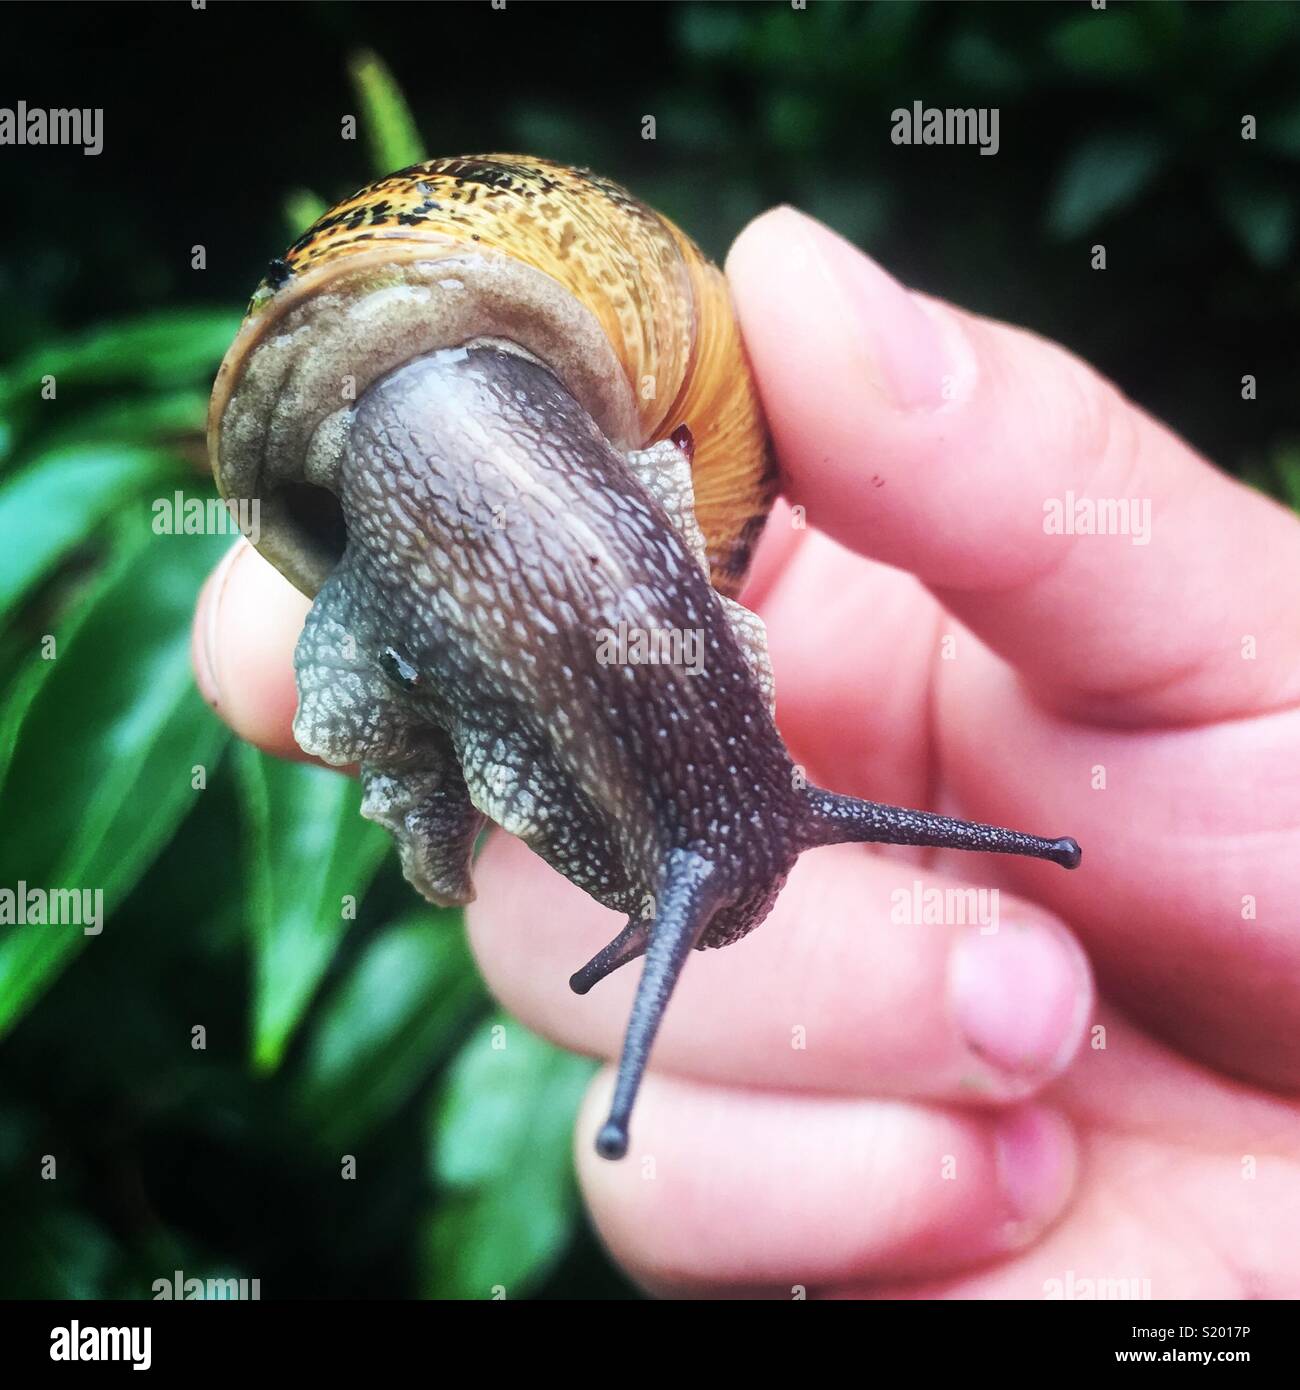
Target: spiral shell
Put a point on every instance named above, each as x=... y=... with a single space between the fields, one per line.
x=558 y=262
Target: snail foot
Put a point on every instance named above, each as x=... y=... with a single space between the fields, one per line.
x=430 y=816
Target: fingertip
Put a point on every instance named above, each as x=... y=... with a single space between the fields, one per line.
x=204 y=640
x=858 y=377
x=864 y=1189
x=1037 y=1167
x=1021 y=995
x=758 y=238
x=246 y=624
x=800 y=287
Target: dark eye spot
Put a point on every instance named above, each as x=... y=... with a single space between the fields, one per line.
x=277 y=273
x=399 y=668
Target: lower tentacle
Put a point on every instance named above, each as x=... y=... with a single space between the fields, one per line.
x=627 y=946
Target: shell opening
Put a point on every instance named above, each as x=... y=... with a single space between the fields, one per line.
x=282 y=405
x=315 y=516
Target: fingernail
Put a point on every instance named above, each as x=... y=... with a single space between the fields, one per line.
x=1036 y=1166
x=908 y=357
x=1020 y=996
x=204 y=644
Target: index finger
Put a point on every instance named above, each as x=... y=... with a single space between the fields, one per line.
x=1125 y=577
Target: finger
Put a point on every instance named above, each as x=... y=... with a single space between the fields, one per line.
x=906 y=1189
x=867 y=979
x=852 y=645
x=1197 y=1173
x=1147 y=1223
x=246 y=624
x=1186 y=898
x=951 y=446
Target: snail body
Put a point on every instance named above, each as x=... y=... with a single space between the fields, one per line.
x=498 y=417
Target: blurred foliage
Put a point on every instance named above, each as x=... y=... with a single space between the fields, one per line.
x=247 y=897
x=230 y=878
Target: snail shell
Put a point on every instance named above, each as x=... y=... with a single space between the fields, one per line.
x=557 y=262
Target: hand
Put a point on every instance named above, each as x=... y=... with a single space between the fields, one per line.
x=858 y=1104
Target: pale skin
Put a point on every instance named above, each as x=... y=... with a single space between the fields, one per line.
x=855 y=1105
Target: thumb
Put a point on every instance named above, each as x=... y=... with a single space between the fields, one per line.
x=963 y=450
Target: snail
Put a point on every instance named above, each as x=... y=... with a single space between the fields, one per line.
x=497 y=417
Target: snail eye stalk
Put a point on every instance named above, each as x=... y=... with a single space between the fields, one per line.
x=689 y=898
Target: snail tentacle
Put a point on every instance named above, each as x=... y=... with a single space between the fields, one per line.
x=835 y=819
x=627 y=946
x=691 y=894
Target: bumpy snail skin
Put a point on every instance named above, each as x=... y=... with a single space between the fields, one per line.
x=464 y=646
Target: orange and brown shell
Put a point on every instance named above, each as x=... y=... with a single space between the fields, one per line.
x=559 y=262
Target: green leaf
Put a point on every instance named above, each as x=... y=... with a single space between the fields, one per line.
x=32 y=673
x=102 y=771
x=978 y=58
x=384 y=1028
x=169 y=348
x=310 y=858
x=795 y=120
x=501 y=1147
x=1242 y=39
x=1262 y=216
x=1280 y=131
x=57 y=1251
x=565 y=134
x=301 y=209
x=1108 y=44
x=1105 y=173
x=390 y=128
x=713 y=32
x=1286 y=469
x=179 y=417
x=60 y=499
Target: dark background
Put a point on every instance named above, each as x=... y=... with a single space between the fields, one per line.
x=1120 y=127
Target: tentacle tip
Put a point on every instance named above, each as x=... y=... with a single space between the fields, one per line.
x=580 y=982
x=1067 y=853
x=611 y=1142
